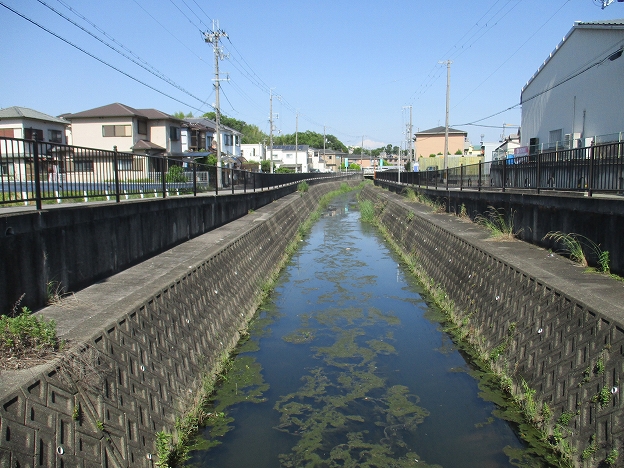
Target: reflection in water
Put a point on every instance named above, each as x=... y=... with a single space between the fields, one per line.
x=348 y=367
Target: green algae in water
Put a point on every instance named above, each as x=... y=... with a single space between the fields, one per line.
x=343 y=414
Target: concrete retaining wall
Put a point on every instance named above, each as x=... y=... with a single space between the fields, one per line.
x=598 y=218
x=138 y=342
x=69 y=248
x=565 y=321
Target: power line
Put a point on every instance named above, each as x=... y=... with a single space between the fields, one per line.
x=146 y=66
x=95 y=57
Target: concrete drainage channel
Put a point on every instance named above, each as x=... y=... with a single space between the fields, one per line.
x=541 y=320
x=139 y=341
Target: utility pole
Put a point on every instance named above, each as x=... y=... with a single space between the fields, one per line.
x=213 y=38
x=297 y=142
x=409 y=135
x=271 y=125
x=323 y=142
x=448 y=101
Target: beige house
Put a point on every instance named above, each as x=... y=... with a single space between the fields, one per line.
x=431 y=141
x=148 y=131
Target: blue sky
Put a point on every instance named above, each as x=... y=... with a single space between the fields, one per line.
x=350 y=66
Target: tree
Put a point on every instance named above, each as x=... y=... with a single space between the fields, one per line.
x=180 y=115
x=459 y=152
x=354 y=167
x=265 y=166
x=313 y=139
x=250 y=133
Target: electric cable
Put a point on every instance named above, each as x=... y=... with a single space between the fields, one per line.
x=95 y=57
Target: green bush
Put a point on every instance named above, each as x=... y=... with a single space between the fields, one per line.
x=176 y=174
x=25 y=333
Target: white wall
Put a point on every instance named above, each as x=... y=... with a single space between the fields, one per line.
x=590 y=103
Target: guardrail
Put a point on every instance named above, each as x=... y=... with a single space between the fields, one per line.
x=41 y=172
x=596 y=168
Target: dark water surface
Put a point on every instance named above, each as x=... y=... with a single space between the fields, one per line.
x=348 y=368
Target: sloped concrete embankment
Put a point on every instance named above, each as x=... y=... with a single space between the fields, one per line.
x=139 y=341
x=566 y=326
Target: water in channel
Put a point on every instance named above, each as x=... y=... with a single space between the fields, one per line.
x=348 y=367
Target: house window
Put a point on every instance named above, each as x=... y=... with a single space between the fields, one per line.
x=55 y=136
x=116 y=130
x=83 y=165
x=7 y=132
x=33 y=134
x=554 y=137
x=227 y=140
x=174 y=133
x=142 y=127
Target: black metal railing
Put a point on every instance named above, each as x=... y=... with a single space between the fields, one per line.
x=35 y=172
x=596 y=168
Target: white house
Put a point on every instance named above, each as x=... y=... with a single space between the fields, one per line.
x=22 y=122
x=253 y=151
x=576 y=95
x=290 y=156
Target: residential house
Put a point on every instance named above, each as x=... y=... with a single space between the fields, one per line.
x=506 y=149
x=334 y=160
x=21 y=122
x=196 y=137
x=230 y=138
x=253 y=152
x=147 y=131
x=575 y=96
x=431 y=141
x=290 y=156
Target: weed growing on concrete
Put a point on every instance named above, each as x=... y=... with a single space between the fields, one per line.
x=574 y=247
x=410 y=194
x=410 y=216
x=500 y=227
x=591 y=449
x=25 y=339
x=302 y=187
x=76 y=413
x=603 y=397
x=99 y=424
x=612 y=457
x=463 y=213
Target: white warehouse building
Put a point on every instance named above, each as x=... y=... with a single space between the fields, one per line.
x=576 y=96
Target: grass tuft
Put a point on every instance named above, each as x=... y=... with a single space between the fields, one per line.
x=500 y=226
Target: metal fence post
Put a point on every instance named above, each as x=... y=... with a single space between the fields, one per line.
x=163 y=175
x=116 y=172
x=590 y=182
x=37 y=177
x=504 y=173
x=461 y=177
x=538 y=178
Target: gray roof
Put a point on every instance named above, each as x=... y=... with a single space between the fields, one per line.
x=211 y=124
x=121 y=110
x=16 y=112
x=441 y=130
